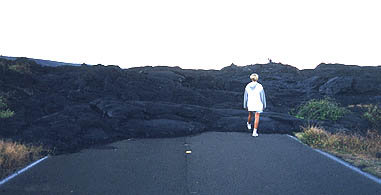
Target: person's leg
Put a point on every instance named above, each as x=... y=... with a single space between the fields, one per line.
x=249 y=120
x=249 y=117
x=256 y=120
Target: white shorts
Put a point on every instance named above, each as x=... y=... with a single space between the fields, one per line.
x=256 y=111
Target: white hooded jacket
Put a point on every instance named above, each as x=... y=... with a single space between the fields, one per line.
x=254 y=98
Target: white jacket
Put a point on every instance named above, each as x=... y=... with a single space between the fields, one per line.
x=254 y=97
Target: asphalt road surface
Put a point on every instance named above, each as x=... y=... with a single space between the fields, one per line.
x=219 y=163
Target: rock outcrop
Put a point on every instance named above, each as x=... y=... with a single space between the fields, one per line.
x=70 y=107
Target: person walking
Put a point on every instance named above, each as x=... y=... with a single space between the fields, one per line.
x=254 y=101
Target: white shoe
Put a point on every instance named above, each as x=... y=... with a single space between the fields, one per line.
x=255 y=134
x=248 y=126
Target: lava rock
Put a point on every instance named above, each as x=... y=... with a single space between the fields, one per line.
x=72 y=107
x=269 y=122
x=337 y=85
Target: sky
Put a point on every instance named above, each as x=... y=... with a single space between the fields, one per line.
x=193 y=34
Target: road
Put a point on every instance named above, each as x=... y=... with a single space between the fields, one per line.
x=219 y=163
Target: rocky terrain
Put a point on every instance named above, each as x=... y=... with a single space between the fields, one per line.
x=41 y=62
x=72 y=107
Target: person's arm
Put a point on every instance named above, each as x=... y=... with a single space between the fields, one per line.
x=245 y=99
x=263 y=98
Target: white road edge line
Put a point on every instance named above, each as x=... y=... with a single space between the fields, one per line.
x=21 y=171
x=369 y=176
x=294 y=138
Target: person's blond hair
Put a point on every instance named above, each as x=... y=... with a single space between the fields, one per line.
x=254 y=77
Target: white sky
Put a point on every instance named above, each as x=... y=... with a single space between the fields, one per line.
x=199 y=34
